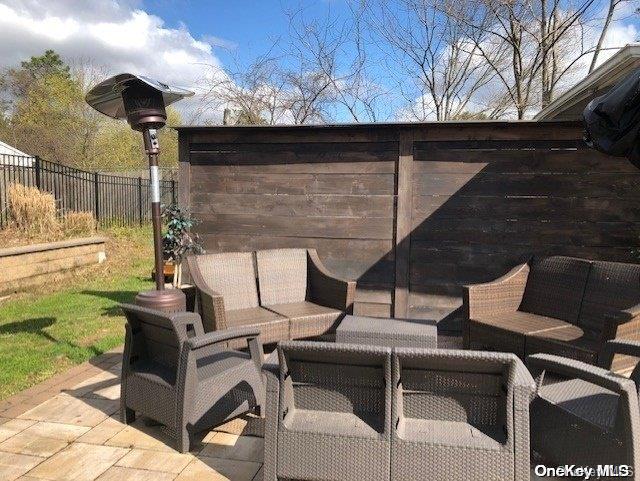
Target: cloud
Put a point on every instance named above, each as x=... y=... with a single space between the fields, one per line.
x=115 y=34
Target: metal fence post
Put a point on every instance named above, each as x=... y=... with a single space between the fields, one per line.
x=38 y=167
x=173 y=191
x=140 y=199
x=96 y=186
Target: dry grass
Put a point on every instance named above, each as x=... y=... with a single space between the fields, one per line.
x=34 y=219
x=79 y=224
x=33 y=213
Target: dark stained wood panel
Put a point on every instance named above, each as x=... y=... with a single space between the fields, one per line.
x=540 y=208
x=310 y=205
x=258 y=183
x=592 y=185
x=369 y=167
x=272 y=225
x=432 y=205
x=519 y=161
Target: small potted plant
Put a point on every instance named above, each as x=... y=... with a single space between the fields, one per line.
x=177 y=241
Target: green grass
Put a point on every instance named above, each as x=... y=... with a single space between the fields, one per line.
x=43 y=333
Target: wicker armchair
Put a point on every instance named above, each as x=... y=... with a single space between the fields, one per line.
x=328 y=413
x=286 y=293
x=586 y=415
x=183 y=378
x=460 y=415
x=556 y=305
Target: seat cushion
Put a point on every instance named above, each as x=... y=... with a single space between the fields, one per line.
x=282 y=274
x=612 y=286
x=216 y=363
x=522 y=322
x=506 y=332
x=233 y=275
x=308 y=319
x=273 y=327
x=155 y=372
x=555 y=287
x=587 y=401
x=569 y=341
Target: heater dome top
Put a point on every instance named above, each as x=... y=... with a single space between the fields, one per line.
x=106 y=97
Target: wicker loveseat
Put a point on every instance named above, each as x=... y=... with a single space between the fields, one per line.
x=556 y=305
x=286 y=293
x=357 y=412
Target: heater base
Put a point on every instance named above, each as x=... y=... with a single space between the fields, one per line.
x=168 y=300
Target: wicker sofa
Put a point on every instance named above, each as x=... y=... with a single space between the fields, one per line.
x=286 y=293
x=352 y=412
x=556 y=305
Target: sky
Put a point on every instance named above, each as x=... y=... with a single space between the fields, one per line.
x=178 y=41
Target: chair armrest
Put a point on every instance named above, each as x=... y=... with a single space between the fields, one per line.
x=624 y=315
x=501 y=295
x=523 y=385
x=186 y=319
x=222 y=336
x=540 y=363
x=327 y=289
x=626 y=347
x=209 y=304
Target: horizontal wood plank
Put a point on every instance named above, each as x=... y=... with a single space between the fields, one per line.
x=277 y=167
x=529 y=232
x=310 y=205
x=271 y=225
x=363 y=184
x=520 y=161
x=461 y=208
x=607 y=185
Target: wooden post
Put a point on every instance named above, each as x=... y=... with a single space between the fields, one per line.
x=402 y=228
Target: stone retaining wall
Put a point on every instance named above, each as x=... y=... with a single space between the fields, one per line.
x=26 y=266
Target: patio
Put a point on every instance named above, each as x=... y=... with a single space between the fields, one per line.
x=68 y=429
x=405 y=216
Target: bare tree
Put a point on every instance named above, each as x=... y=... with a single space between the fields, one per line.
x=533 y=33
x=439 y=71
x=331 y=71
x=613 y=5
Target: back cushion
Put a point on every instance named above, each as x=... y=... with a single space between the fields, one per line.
x=233 y=275
x=611 y=286
x=282 y=275
x=555 y=287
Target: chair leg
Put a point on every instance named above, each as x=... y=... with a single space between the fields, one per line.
x=127 y=416
x=184 y=440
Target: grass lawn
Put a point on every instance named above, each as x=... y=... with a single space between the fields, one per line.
x=50 y=328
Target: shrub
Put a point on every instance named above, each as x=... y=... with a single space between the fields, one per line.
x=33 y=212
x=79 y=224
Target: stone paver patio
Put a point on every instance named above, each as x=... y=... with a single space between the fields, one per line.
x=68 y=429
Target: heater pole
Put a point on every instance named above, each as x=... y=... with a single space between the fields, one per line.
x=152 y=147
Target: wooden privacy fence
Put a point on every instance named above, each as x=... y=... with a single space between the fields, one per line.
x=113 y=199
x=412 y=211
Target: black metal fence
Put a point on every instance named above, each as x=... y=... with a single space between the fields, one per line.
x=113 y=199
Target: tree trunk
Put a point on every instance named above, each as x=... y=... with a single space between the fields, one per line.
x=603 y=34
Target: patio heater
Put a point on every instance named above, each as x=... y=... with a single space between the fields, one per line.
x=142 y=102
